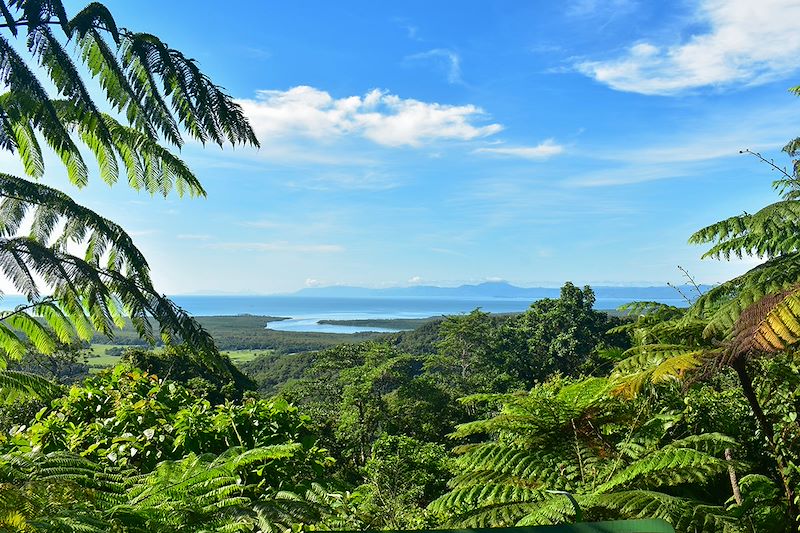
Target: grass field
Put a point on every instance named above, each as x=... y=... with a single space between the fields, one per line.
x=100 y=358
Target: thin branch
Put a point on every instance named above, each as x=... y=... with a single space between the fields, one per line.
x=769 y=162
x=679 y=291
x=691 y=280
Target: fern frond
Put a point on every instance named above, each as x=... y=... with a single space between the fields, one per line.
x=92 y=17
x=480 y=503
x=27 y=146
x=669 y=466
x=683 y=514
x=553 y=510
x=64 y=75
x=87 y=295
x=13 y=381
x=768 y=326
x=654 y=364
x=39 y=336
x=645 y=308
x=50 y=207
x=204 y=109
x=27 y=101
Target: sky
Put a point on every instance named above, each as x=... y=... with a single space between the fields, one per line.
x=460 y=141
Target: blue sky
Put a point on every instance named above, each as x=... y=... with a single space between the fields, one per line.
x=453 y=142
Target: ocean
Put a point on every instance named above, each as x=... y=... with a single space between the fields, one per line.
x=304 y=312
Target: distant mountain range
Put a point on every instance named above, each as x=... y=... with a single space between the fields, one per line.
x=495 y=289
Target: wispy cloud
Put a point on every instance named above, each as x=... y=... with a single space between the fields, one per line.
x=514 y=201
x=193 y=237
x=280 y=246
x=444 y=58
x=696 y=148
x=300 y=226
x=590 y=8
x=264 y=224
x=446 y=251
x=383 y=118
x=747 y=43
x=626 y=175
x=412 y=31
x=544 y=150
x=254 y=52
x=355 y=180
x=143 y=232
x=545 y=48
x=714 y=136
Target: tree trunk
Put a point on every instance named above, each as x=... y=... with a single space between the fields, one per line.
x=740 y=366
x=737 y=494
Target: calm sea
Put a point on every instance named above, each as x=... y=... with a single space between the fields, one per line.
x=306 y=311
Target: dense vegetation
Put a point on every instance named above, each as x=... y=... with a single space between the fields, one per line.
x=390 y=323
x=690 y=415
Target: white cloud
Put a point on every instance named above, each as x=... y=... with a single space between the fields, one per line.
x=746 y=43
x=313 y=282
x=450 y=60
x=381 y=117
x=414 y=280
x=543 y=150
x=280 y=246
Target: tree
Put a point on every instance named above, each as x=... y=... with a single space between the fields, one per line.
x=402 y=476
x=67 y=364
x=219 y=383
x=155 y=96
x=557 y=335
x=465 y=360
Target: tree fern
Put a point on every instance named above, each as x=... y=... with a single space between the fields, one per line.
x=505 y=480
x=160 y=95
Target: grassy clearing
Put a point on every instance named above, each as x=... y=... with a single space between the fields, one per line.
x=100 y=358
